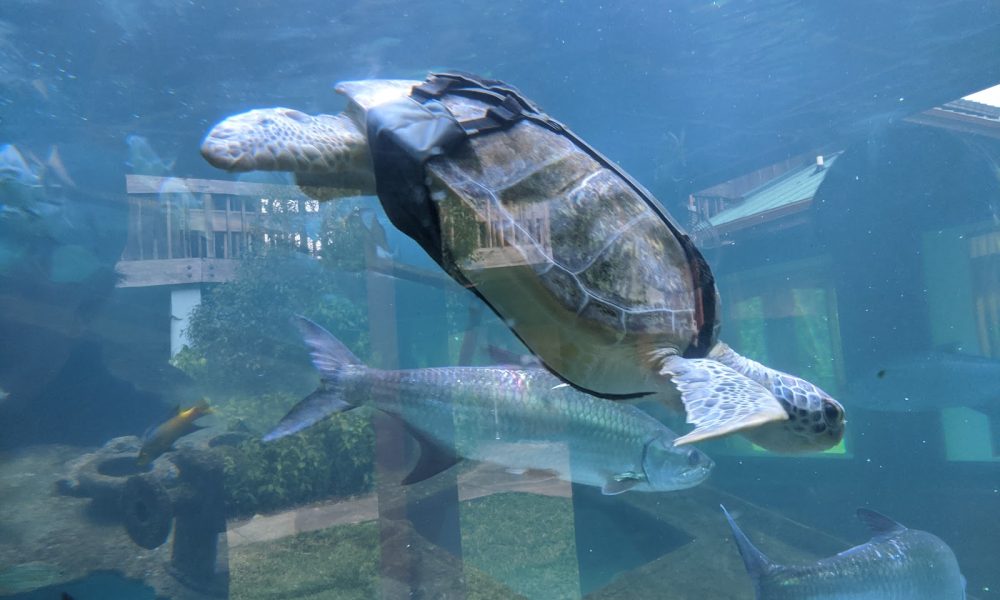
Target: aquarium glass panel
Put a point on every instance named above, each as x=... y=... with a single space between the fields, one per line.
x=383 y=299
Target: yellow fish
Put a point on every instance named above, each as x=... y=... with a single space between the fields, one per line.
x=160 y=439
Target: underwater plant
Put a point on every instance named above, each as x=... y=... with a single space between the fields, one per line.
x=333 y=459
x=239 y=337
x=244 y=351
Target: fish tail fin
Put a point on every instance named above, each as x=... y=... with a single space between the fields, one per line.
x=330 y=357
x=754 y=560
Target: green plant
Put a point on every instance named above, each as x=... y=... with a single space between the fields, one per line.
x=245 y=352
x=240 y=336
x=331 y=459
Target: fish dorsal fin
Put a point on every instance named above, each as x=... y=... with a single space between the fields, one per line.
x=502 y=356
x=881 y=526
x=754 y=560
x=434 y=458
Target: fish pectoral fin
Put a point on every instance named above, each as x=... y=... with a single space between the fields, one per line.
x=531 y=473
x=434 y=458
x=718 y=400
x=310 y=410
x=621 y=482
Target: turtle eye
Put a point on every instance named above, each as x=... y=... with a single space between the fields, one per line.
x=694 y=458
x=832 y=412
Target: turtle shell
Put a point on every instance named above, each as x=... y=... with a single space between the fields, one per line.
x=589 y=275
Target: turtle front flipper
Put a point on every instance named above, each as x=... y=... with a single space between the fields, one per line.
x=718 y=400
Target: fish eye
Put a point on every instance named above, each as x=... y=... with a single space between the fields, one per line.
x=832 y=412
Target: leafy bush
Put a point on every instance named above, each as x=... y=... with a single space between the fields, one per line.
x=244 y=351
x=240 y=336
x=333 y=458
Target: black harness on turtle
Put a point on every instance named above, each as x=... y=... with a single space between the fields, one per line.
x=405 y=134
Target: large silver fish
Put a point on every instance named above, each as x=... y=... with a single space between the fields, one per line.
x=929 y=381
x=517 y=418
x=896 y=564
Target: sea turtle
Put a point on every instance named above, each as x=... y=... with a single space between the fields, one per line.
x=590 y=272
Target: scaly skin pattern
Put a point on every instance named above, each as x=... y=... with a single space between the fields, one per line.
x=587 y=274
x=284 y=139
x=913 y=565
x=528 y=419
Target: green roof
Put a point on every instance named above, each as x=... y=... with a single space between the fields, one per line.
x=795 y=186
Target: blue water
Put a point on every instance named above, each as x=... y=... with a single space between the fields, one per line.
x=131 y=286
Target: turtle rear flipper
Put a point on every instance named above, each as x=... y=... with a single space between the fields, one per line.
x=718 y=400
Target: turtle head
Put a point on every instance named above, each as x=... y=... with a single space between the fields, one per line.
x=320 y=149
x=815 y=420
x=324 y=151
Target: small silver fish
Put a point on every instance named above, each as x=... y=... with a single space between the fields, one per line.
x=143 y=160
x=896 y=564
x=21 y=187
x=161 y=438
x=517 y=418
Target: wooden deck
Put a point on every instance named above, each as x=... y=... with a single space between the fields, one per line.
x=194 y=230
x=190 y=231
x=175 y=271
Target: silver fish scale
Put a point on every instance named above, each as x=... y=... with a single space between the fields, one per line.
x=511 y=406
x=531 y=401
x=914 y=565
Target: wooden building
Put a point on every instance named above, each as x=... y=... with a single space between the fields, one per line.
x=887 y=246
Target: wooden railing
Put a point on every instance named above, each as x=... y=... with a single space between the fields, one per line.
x=189 y=231
x=193 y=230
